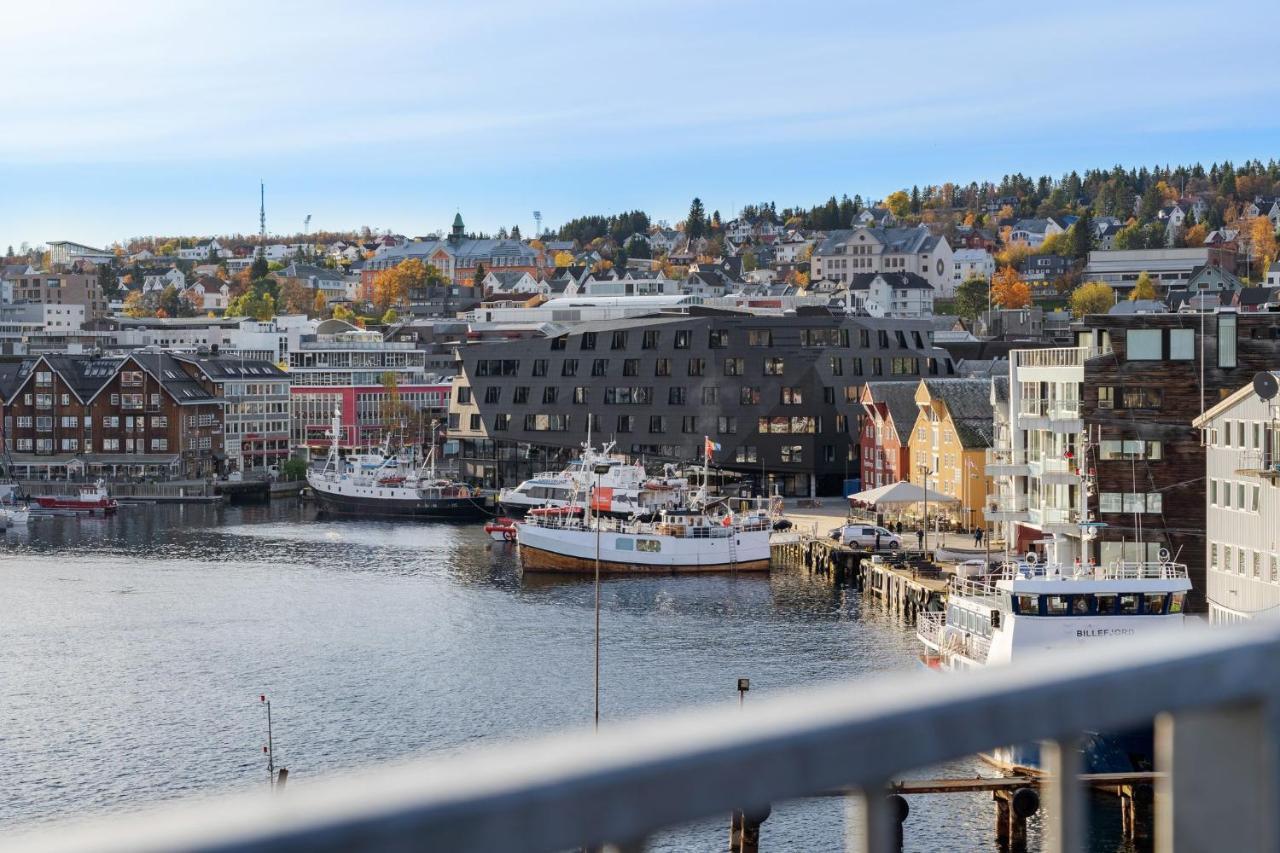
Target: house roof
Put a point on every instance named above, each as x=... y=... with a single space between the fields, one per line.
x=896 y=280
x=165 y=368
x=297 y=270
x=220 y=367
x=968 y=401
x=899 y=397
x=1255 y=295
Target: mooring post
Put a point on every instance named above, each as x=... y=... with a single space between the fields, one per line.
x=1002 y=818
x=1012 y=810
x=282 y=776
x=735 y=831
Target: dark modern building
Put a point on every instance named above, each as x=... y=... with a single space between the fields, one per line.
x=779 y=394
x=1140 y=396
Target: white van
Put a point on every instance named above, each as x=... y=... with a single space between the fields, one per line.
x=864 y=536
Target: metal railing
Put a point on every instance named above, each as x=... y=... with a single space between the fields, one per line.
x=1049 y=408
x=1055 y=357
x=996 y=456
x=1213 y=696
x=1135 y=570
x=982 y=591
x=1259 y=461
x=1006 y=503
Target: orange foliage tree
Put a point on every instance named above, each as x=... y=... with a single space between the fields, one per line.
x=391 y=286
x=1008 y=290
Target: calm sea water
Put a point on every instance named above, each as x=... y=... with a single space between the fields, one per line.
x=134 y=650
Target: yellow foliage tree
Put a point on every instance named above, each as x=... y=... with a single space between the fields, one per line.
x=1262 y=237
x=899 y=203
x=1195 y=235
x=320 y=304
x=1092 y=297
x=391 y=287
x=1012 y=256
x=1008 y=290
x=1144 y=288
x=135 y=307
x=563 y=259
x=970 y=219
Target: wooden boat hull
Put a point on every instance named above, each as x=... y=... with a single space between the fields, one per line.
x=421 y=509
x=537 y=560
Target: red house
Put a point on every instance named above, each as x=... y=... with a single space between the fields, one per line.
x=885 y=439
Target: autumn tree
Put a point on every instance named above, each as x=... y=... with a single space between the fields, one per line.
x=1092 y=297
x=295 y=297
x=391 y=287
x=1194 y=237
x=1144 y=288
x=343 y=313
x=899 y=203
x=320 y=305
x=1008 y=290
x=1262 y=237
x=135 y=306
x=972 y=298
x=390 y=316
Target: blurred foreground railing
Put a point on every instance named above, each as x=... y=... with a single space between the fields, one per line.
x=1213 y=696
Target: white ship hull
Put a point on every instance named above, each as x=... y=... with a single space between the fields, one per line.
x=555 y=549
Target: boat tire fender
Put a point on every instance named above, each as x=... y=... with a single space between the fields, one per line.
x=1026 y=802
x=509 y=535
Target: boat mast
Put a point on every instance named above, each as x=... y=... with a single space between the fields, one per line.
x=335 y=426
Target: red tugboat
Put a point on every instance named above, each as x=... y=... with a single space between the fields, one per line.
x=90 y=499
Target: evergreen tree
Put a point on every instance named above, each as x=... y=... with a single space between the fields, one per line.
x=915 y=199
x=478 y=278
x=1082 y=236
x=259 y=268
x=515 y=232
x=695 y=225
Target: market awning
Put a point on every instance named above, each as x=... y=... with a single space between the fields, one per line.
x=901 y=493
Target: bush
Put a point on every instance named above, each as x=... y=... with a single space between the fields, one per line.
x=293 y=469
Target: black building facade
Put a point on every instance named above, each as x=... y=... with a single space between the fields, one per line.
x=779 y=394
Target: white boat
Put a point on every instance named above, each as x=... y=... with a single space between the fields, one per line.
x=14 y=515
x=1028 y=607
x=706 y=535
x=623 y=490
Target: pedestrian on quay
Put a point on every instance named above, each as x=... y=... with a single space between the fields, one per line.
x=920 y=538
x=877 y=540
x=977 y=537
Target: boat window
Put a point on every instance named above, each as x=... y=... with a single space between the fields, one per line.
x=1056 y=605
x=1081 y=605
x=648 y=545
x=1106 y=603
x=1175 y=602
x=622 y=544
x=1028 y=605
x=1129 y=603
x=1155 y=603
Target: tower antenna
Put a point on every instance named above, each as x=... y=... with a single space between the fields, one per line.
x=262 y=217
x=537 y=228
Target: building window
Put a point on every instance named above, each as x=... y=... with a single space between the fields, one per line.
x=1106 y=397
x=581 y=395
x=588 y=340
x=905 y=366
x=159 y=444
x=792 y=454
x=1142 y=398
x=710 y=395
x=749 y=396
x=130 y=377
x=697 y=366
x=1226 y=340
x=549 y=395
x=569 y=368
x=539 y=367
x=625 y=423
x=676 y=395
x=657 y=423
x=650 y=340
x=501 y=422
x=159 y=422
x=734 y=366
x=1144 y=344
x=600 y=367
x=726 y=425
x=759 y=338
x=464 y=395
x=520 y=395
x=837 y=366
x=773 y=366
x=631 y=367
x=792 y=396
x=745 y=454
x=682 y=339
x=619 y=341
x=662 y=367
x=877 y=367
x=689 y=424
x=718 y=339
x=1182 y=345
x=493 y=394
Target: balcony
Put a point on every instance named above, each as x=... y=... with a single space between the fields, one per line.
x=1057 y=520
x=1056 y=471
x=1001 y=463
x=1055 y=357
x=1259 y=463
x=1210 y=696
x=1006 y=508
x=1060 y=416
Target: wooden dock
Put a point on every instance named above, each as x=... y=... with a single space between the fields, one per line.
x=909 y=584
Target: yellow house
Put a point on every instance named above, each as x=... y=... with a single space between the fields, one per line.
x=949 y=443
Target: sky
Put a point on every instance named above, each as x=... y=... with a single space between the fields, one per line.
x=137 y=118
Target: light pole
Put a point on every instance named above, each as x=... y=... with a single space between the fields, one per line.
x=595 y=497
x=924 y=472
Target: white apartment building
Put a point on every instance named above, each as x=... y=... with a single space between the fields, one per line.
x=256 y=408
x=1039 y=500
x=1241 y=436
x=971 y=263
x=903 y=295
x=848 y=253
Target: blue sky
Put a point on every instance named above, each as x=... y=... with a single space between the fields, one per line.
x=140 y=118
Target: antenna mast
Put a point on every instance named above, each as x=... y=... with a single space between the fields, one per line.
x=262 y=217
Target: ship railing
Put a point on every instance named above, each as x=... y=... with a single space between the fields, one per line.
x=929 y=626
x=1210 y=694
x=982 y=591
x=1141 y=570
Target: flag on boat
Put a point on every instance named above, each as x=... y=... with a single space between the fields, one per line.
x=711 y=446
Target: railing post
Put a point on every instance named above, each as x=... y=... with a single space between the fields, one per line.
x=881 y=822
x=1219 y=787
x=1066 y=828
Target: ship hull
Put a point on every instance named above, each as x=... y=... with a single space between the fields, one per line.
x=574 y=552
x=419 y=509
x=53 y=502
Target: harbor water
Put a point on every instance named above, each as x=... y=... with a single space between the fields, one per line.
x=135 y=649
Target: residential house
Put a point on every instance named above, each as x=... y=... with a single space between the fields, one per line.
x=1032 y=233
x=1241 y=496
x=889 y=415
x=62 y=288
x=208 y=293
x=255 y=397
x=949 y=442
x=901 y=295
x=506 y=282
x=459 y=257
x=971 y=263
x=331 y=283
x=1044 y=271
x=1120 y=268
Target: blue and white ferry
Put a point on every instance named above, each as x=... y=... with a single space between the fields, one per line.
x=1028 y=606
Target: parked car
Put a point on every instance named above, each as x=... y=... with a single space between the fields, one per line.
x=864 y=536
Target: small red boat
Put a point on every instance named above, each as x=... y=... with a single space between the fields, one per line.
x=89 y=499
x=501 y=529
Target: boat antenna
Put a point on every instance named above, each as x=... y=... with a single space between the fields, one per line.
x=270 y=749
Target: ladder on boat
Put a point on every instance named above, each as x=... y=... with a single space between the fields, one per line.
x=733 y=548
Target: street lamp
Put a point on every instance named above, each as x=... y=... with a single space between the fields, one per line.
x=595 y=497
x=924 y=472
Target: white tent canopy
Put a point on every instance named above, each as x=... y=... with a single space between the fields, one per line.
x=901 y=493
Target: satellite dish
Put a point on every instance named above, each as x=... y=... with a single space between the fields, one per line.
x=1265 y=385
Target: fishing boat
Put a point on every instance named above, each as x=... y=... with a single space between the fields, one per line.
x=706 y=535
x=1028 y=606
x=623 y=489
x=14 y=515
x=91 y=498
x=391 y=490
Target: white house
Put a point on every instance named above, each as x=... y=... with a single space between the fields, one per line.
x=972 y=263
x=159 y=281
x=1033 y=232
x=1241 y=437
x=789 y=249
x=898 y=295
x=506 y=282
x=208 y=293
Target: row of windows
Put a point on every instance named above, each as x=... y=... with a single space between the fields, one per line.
x=1241 y=434
x=1114 y=397
x=1229 y=495
x=45 y=423
x=1244 y=562
x=1100 y=604
x=108 y=445
x=652 y=339
x=1142 y=502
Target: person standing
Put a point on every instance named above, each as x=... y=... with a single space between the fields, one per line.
x=920 y=538
x=977 y=537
